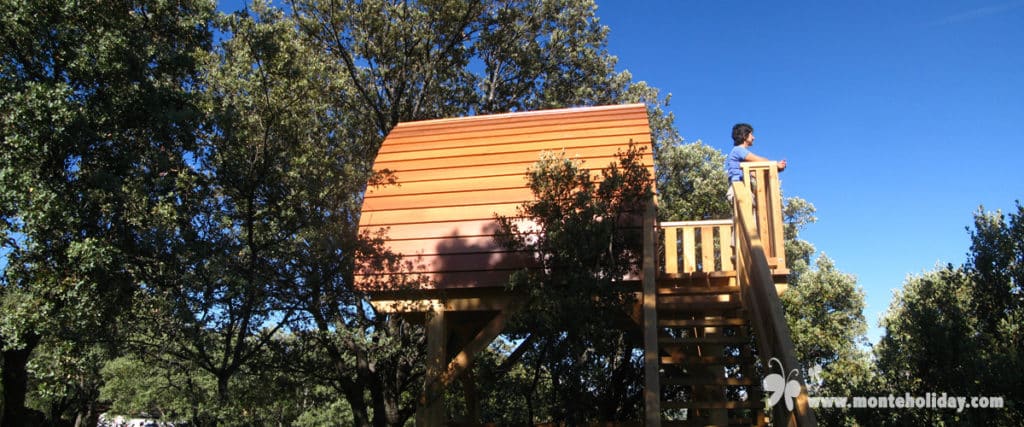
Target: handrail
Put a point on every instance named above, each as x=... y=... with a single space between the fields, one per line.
x=760 y=298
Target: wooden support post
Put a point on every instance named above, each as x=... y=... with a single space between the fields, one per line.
x=472 y=398
x=430 y=412
x=464 y=359
x=652 y=380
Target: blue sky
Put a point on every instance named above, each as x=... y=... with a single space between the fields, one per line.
x=898 y=119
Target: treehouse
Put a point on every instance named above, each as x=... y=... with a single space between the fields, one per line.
x=708 y=306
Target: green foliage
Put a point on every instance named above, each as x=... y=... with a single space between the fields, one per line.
x=333 y=411
x=65 y=379
x=223 y=282
x=691 y=183
x=825 y=312
x=824 y=309
x=586 y=242
x=957 y=330
x=171 y=390
x=95 y=111
x=510 y=390
x=797 y=214
x=135 y=386
x=178 y=203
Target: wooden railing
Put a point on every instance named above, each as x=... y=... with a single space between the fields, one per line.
x=760 y=298
x=709 y=246
x=698 y=246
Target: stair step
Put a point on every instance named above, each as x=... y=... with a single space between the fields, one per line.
x=721 y=321
x=706 y=422
x=698 y=299
x=698 y=307
x=707 y=380
x=694 y=277
x=705 y=340
x=717 y=404
x=698 y=290
x=706 y=360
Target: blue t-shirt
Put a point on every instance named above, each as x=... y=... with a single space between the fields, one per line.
x=732 y=163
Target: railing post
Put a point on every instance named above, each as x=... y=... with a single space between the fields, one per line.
x=762 y=183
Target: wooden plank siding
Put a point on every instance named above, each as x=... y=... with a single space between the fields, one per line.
x=454 y=175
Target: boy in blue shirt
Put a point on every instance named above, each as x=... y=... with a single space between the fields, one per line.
x=742 y=140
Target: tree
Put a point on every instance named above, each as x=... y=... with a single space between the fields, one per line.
x=824 y=309
x=262 y=208
x=996 y=266
x=957 y=329
x=174 y=391
x=825 y=312
x=929 y=343
x=691 y=183
x=65 y=379
x=586 y=242
x=94 y=113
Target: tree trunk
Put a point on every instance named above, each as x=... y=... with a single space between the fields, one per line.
x=87 y=416
x=222 y=387
x=357 y=403
x=15 y=384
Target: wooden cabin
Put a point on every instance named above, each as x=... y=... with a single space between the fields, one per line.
x=713 y=282
x=455 y=175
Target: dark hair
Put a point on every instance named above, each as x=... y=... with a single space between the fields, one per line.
x=740 y=132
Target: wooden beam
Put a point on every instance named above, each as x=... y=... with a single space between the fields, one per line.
x=652 y=385
x=436 y=382
x=493 y=302
x=464 y=358
x=430 y=411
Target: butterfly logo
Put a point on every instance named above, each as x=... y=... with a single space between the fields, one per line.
x=779 y=386
x=814 y=372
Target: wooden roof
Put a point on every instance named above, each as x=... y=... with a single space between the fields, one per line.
x=454 y=175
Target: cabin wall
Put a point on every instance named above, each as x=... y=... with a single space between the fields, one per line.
x=455 y=175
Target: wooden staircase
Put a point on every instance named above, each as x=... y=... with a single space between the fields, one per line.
x=706 y=362
x=712 y=313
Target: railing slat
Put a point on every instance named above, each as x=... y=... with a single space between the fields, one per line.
x=689 y=251
x=726 y=244
x=671 y=251
x=707 y=249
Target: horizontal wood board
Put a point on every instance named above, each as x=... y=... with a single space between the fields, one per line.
x=454 y=175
